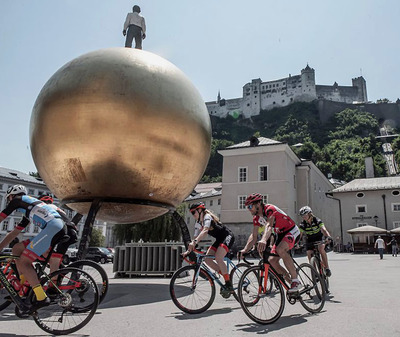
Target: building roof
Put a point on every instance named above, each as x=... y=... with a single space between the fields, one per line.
x=370 y=184
x=205 y=191
x=262 y=142
x=18 y=175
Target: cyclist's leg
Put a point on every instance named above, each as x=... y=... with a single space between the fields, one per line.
x=210 y=262
x=38 y=246
x=283 y=251
x=324 y=257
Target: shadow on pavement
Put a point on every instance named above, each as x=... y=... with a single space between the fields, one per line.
x=281 y=323
x=210 y=312
x=122 y=295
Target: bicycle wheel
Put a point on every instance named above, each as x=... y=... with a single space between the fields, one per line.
x=95 y=271
x=235 y=275
x=190 y=298
x=73 y=302
x=263 y=302
x=312 y=296
x=316 y=263
x=4 y=303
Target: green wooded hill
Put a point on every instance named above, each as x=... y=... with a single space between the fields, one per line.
x=338 y=147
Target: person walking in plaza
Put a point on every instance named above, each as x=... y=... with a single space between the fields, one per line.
x=381 y=246
x=134 y=27
x=394 y=245
x=314 y=229
x=208 y=223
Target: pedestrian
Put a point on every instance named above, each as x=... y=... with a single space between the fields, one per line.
x=394 y=245
x=134 y=27
x=381 y=246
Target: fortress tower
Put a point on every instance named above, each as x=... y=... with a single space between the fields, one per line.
x=361 y=85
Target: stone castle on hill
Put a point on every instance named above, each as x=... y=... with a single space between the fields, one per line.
x=259 y=95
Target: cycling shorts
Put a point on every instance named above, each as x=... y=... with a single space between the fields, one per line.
x=42 y=242
x=290 y=238
x=226 y=243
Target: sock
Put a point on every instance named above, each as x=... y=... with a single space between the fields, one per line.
x=22 y=279
x=39 y=292
x=226 y=277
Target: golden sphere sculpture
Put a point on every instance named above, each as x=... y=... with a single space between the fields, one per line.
x=121 y=125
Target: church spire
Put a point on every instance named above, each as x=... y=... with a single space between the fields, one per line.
x=219 y=96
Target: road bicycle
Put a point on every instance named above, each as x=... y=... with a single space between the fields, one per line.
x=73 y=294
x=261 y=291
x=318 y=264
x=92 y=268
x=192 y=287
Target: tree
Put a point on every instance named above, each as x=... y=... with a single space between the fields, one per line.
x=97 y=238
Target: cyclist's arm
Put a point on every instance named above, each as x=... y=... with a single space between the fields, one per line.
x=202 y=234
x=325 y=231
x=251 y=241
x=262 y=244
x=9 y=237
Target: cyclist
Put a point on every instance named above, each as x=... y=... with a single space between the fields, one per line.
x=314 y=229
x=208 y=223
x=273 y=220
x=72 y=232
x=48 y=220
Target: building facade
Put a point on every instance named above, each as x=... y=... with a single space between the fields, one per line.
x=259 y=95
x=271 y=168
x=372 y=201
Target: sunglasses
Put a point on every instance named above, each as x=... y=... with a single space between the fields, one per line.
x=250 y=206
x=193 y=212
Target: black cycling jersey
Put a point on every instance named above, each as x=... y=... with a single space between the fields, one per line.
x=312 y=231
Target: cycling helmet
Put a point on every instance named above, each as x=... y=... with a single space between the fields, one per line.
x=197 y=205
x=16 y=189
x=47 y=199
x=252 y=198
x=305 y=210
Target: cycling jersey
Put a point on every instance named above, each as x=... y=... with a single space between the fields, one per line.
x=35 y=210
x=283 y=223
x=223 y=235
x=312 y=231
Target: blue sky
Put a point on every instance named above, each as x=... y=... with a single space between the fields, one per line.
x=219 y=44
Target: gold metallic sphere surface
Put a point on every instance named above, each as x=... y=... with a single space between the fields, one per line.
x=120 y=124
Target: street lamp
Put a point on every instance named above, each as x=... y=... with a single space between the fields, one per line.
x=376 y=220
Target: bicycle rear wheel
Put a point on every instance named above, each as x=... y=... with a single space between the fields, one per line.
x=262 y=300
x=235 y=275
x=95 y=271
x=312 y=296
x=189 y=297
x=73 y=302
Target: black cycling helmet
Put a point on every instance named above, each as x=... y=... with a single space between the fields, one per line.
x=197 y=205
x=252 y=198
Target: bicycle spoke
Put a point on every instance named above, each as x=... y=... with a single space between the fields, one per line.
x=312 y=296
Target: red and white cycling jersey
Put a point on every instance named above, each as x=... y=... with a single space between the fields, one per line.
x=282 y=221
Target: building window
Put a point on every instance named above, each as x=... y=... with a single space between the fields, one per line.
x=36 y=229
x=241 y=201
x=242 y=174
x=31 y=192
x=362 y=224
x=396 y=207
x=360 y=195
x=395 y=193
x=265 y=199
x=219 y=201
x=1 y=187
x=361 y=209
x=5 y=225
x=396 y=224
x=211 y=202
x=263 y=173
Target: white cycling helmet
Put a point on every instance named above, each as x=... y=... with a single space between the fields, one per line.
x=16 y=189
x=305 y=210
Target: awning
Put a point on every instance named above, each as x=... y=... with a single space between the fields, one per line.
x=367 y=229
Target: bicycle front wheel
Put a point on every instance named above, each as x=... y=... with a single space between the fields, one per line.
x=189 y=294
x=235 y=275
x=262 y=300
x=95 y=271
x=4 y=303
x=318 y=267
x=312 y=296
x=74 y=301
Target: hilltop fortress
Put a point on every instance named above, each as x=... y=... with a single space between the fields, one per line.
x=259 y=95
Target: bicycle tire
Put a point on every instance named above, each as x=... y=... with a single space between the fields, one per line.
x=312 y=295
x=98 y=274
x=316 y=263
x=187 y=299
x=73 y=307
x=235 y=275
x=263 y=307
x=3 y=302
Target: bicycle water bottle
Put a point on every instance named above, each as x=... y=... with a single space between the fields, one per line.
x=15 y=283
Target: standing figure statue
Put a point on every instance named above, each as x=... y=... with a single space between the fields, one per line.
x=136 y=27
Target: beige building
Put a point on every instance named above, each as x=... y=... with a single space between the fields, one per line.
x=271 y=168
x=372 y=201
